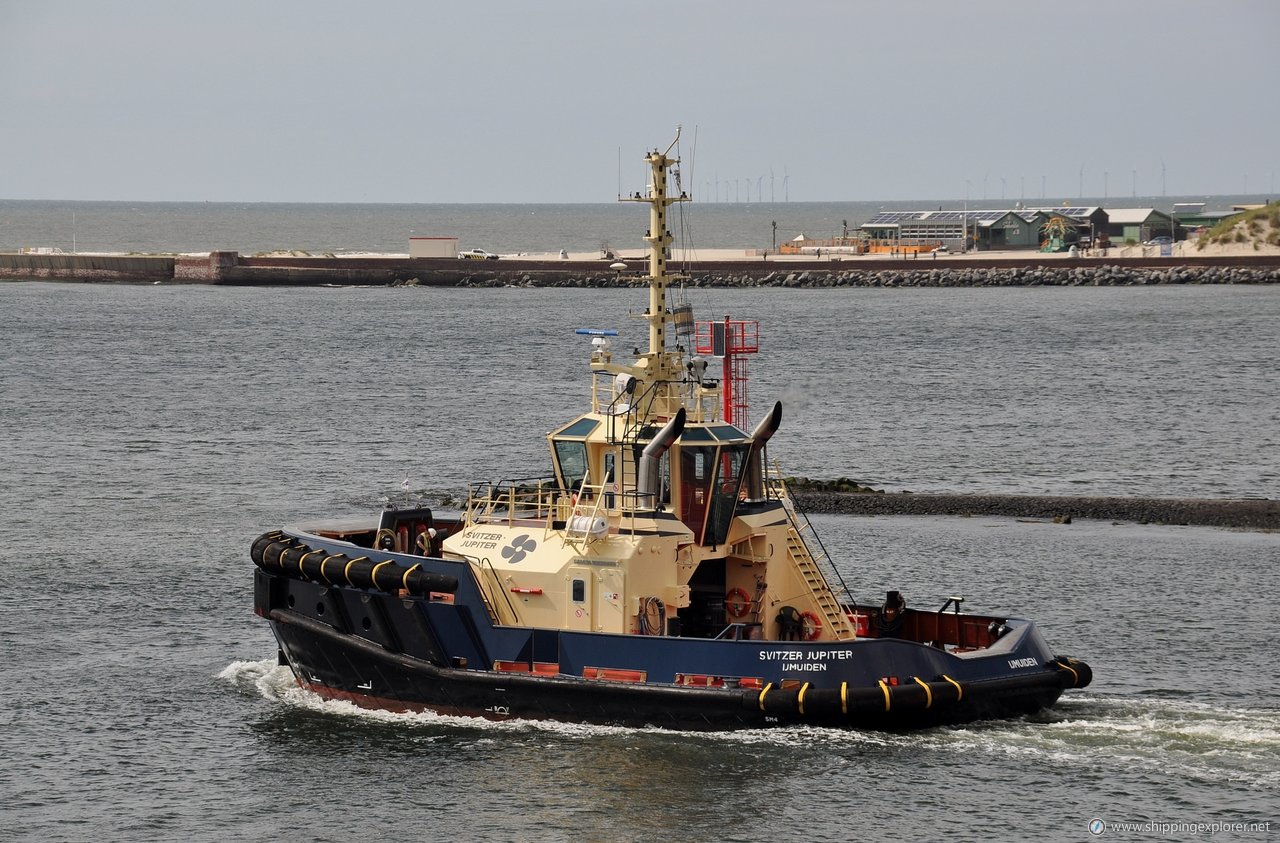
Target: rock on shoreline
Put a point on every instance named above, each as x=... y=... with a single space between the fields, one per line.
x=1013 y=276
x=1260 y=514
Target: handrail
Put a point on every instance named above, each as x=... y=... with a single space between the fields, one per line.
x=778 y=486
x=509 y=500
x=736 y=631
x=485 y=564
x=634 y=418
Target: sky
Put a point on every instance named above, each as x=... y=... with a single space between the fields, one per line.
x=558 y=100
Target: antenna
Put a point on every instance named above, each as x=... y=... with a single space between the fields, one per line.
x=675 y=141
x=693 y=159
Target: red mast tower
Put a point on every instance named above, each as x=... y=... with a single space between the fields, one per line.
x=729 y=340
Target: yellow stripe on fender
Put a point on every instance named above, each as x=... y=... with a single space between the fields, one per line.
x=764 y=691
x=885 y=690
x=959 y=690
x=346 y=569
x=404 y=581
x=844 y=697
x=800 y=697
x=303 y=558
x=928 y=692
x=373 y=575
x=1075 y=676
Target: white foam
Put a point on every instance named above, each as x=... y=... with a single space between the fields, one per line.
x=1199 y=740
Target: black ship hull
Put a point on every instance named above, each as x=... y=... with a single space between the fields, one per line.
x=392 y=650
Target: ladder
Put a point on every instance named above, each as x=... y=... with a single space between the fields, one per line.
x=488 y=579
x=809 y=566
x=832 y=614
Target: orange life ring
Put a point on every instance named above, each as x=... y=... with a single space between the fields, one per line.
x=737 y=602
x=810 y=625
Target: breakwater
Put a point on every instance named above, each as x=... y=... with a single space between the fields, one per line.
x=1260 y=514
x=99 y=268
x=962 y=275
x=231 y=268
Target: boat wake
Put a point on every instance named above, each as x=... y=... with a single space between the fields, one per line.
x=1185 y=738
x=1201 y=741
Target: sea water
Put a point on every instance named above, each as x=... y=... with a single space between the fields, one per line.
x=320 y=228
x=149 y=433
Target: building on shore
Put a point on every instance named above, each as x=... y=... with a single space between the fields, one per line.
x=1192 y=216
x=1025 y=228
x=1140 y=225
x=1015 y=228
x=433 y=247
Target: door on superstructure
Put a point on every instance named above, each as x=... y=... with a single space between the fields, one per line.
x=580 y=603
x=610 y=615
x=697 y=465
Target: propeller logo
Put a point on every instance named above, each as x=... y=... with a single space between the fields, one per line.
x=520 y=546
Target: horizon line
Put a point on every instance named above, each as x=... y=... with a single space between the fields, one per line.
x=1100 y=201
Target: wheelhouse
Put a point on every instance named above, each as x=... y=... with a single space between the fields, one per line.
x=701 y=477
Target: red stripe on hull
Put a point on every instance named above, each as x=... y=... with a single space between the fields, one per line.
x=376 y=703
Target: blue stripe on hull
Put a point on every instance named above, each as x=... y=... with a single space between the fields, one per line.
x=375 y=647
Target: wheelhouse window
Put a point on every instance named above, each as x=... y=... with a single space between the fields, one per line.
x=571 y=462
x=569 y=449
x=711 y=479
x=724 y=499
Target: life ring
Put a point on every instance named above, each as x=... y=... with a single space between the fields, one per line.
x=810 y=625
x=737 y=603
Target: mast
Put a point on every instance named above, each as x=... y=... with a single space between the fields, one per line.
x=659 y=240
x=657 y=365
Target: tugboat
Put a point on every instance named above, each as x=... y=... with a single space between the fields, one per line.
x=661 y=575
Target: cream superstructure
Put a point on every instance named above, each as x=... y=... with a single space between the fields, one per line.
x=660 y=518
